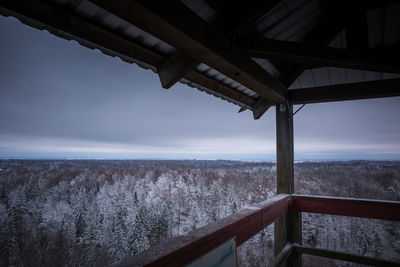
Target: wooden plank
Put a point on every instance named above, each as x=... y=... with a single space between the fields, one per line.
x=285 y=174
x=354 y=207
x=295 y=236
x=327 y=28
x=283 y=255
x=330 y=24
x=228 y=22
x=349 y=91
x=175 y=68
x=177 y=25
x=242 y=225
x=344 y=256
x=44 y=15
x=284 y=149
x=260 y=108
x=319 y=56
x=284 y=51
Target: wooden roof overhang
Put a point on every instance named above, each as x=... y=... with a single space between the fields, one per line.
x=254 y=54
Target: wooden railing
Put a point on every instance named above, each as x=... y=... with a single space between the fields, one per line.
x=353 y=207
x=248 y=222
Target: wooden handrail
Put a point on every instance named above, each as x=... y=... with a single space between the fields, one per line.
x=242 y=226
x=246 y=223
x=354 y=207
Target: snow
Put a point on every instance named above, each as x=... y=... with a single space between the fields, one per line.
x=99 y=212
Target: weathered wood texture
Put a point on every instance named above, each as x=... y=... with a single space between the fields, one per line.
x=287 y=226
x=343 y=256
x=284 y=149
x=295 y=236
x=354 y=207
x=176 y=24
x=242 y=225
x=260 y=108
x=178 y=64
x=349 y=91
x=175 y=68
x=327 y=28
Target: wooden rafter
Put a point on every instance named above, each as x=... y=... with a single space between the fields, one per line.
x=175 y=68
x=260 y=108
x=332 y=21
x=176 y=24
x=348 y=91
x=44 y=15
x=236 y=16
x=228 y=22
x=328 y=27
x=319 y=56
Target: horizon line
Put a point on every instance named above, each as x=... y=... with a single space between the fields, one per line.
x=190 y=159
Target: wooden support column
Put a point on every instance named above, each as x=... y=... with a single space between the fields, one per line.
x=288 y=227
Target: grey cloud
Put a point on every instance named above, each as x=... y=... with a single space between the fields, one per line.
x=55 y=88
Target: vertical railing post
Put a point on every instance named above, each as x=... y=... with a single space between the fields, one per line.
x=288 y=227
x=294 y=236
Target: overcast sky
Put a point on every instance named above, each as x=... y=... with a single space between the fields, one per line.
x=59 y=99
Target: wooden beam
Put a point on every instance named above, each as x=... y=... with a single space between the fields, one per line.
x=344 y=256
x=295 y=228
x=242 y=226
x=233 y=15
x=327 y=28
x=175 y=68
x=284 y=169
x=354 y=207
x=284 y=149
x=55 y=19
x=349 y=91
x=260 y=108
x=177 y=25
x=284 y=51
x=318 y=56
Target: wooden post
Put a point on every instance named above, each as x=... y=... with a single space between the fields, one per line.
x=288 y=227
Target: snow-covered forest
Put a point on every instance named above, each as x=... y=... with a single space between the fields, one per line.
x=88 y=212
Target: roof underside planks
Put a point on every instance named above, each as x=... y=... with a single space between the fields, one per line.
x=176 y=24
x=207 y=44
x=347 y=91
